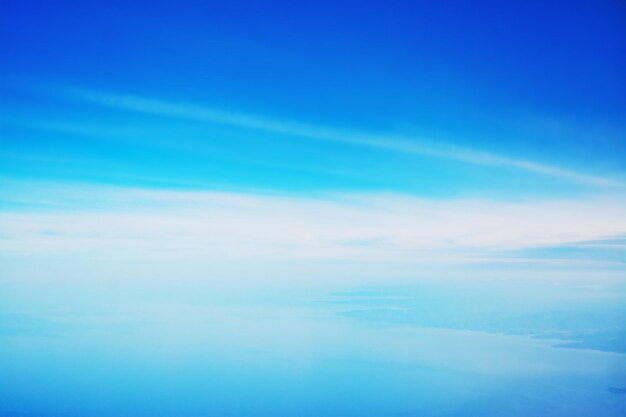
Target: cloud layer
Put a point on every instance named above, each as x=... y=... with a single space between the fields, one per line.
x=112 y=221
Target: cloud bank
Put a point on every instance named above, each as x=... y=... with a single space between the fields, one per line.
x=109 y=221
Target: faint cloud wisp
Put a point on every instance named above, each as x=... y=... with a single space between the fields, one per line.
x=409 y=145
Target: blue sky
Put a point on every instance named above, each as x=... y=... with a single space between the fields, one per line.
x=357 y=130
x=296 y=208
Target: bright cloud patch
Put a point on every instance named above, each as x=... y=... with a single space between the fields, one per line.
x=219 y=225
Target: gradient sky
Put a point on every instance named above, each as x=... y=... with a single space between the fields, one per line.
x=317 y=208
x=315 y=130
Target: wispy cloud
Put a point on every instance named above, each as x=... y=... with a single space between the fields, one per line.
x=217 y=225
x=394 y=143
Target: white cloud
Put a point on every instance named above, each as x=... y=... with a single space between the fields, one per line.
x=114 y=222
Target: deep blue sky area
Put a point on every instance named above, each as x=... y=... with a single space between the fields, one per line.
x=537 y=81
